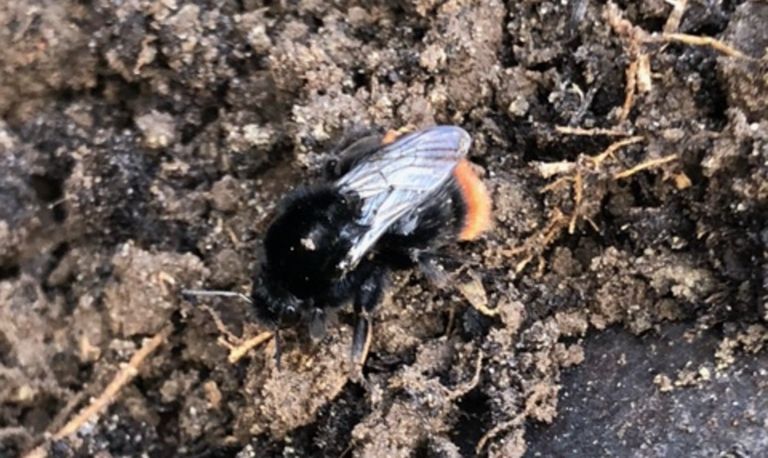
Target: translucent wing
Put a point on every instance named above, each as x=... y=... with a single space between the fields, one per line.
x=398 y=179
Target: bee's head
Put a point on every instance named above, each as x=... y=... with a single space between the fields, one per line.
x=275 y=308
x=279 y=310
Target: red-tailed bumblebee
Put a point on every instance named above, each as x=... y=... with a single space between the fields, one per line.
x=388 y=203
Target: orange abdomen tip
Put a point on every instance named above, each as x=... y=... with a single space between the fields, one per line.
x=477 y=200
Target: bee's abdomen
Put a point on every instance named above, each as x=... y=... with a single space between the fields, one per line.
x=476 y=217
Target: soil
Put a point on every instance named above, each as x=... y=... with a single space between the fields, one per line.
x=619 y=305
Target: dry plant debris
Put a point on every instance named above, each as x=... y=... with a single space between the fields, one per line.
x=122 y=378
x=583 y=199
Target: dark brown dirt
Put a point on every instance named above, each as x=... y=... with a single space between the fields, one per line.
x=144 y=144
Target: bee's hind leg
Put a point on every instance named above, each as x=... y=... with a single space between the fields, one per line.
x=353 y=147
x=433 y=266
x=433 y=271
x=361 y=344
x=317 y=324
x=366 y=299
x=357 y=144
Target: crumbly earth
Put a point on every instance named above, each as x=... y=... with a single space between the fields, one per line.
x=611 y=310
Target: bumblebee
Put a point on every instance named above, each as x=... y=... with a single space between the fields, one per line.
x=389 y=202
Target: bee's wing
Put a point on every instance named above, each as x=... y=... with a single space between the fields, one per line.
x=399 y=178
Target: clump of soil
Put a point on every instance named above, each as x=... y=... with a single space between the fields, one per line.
x=145 y=144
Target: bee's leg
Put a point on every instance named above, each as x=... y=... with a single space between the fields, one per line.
x=357 y=144
x=342 y=161
x=317 y=324
x=278 y=349
x=432 y=269
x=352 y=134
x=367 y=298
x=361 y=343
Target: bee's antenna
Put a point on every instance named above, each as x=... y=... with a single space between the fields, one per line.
x=278 y=348
x=57 y=202
x=213 y=292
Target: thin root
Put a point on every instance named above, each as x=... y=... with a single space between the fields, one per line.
x=538 y=242
x=578 y=195
x=592 y=223
x=645 y=166
x=633 y=36
x=629 y=92
x=237 y=346
x=598 y=159
x=233 y=237
x=495 y=431
x=222 y=328
x=554 y=228
x=533 y=247
x=695 y=40
x=555 y=184
x=524 y=262
x=469 y=385
x=237 y=353
x=591 y=132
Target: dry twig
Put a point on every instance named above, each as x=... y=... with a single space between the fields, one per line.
x=123 y=377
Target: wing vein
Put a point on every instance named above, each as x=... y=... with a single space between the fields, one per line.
x=400 y=178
